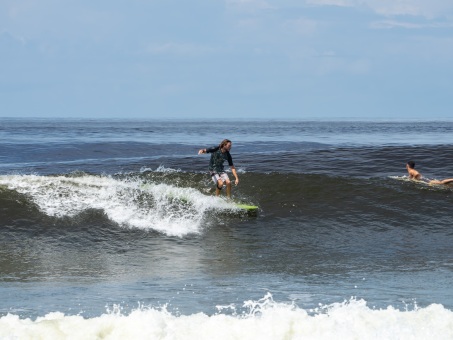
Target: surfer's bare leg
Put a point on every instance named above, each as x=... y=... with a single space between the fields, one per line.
x=228 y=189
x=445 y=181
x=219 y=187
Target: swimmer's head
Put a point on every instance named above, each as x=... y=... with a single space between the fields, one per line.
x=411 y=164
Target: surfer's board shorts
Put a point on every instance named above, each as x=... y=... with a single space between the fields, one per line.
x=215 y=177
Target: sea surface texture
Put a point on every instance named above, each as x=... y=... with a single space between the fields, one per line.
x=111 y=229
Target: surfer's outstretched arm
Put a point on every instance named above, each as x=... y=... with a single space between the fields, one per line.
x=233 y=170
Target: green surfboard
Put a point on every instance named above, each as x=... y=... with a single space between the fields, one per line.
x=246 y=207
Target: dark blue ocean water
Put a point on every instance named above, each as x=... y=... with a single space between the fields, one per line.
x=107 y=218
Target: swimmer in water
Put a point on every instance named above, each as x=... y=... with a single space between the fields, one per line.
x=415 y=175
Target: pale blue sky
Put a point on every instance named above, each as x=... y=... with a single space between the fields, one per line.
x=218 y=59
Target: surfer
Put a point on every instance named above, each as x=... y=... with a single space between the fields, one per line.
x=414 y=174
x=220 y=154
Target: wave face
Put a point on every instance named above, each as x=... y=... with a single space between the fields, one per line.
x=177 y=203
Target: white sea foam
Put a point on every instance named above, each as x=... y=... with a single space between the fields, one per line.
x=265 y=319
x=131 y=203
x=160 y=168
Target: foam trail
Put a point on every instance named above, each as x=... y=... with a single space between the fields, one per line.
x=129 y=202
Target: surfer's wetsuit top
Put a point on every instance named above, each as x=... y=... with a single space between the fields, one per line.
x=217 y=159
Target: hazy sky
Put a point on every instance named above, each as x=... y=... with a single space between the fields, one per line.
x=227 y=58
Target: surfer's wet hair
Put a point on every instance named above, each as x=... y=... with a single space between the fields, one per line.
x=224 y=142
x=411 y=164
